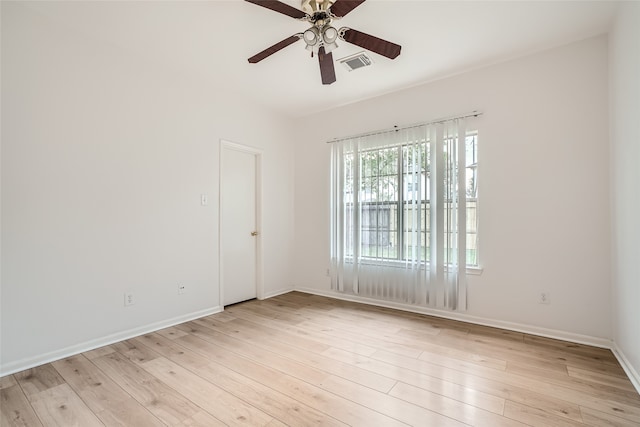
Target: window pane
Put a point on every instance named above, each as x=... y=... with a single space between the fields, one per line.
x=416 y=192
x=379 y=192
x=471 y=160
x=348 y=203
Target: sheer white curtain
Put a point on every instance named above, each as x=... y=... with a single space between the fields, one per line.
x=398 y=215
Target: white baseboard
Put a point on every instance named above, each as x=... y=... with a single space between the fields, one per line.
x=627 y=366
x=276 y=293
x=517 y=327
x=21 y=365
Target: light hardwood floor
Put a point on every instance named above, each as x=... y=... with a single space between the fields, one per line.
x=301 y=360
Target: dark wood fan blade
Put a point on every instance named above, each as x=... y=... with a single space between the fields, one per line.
x=374 y=44
x=273 y=49
x=327 y=71
x=341 y=7
x=280 y=7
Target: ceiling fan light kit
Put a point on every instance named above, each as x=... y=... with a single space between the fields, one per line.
x=321 y=37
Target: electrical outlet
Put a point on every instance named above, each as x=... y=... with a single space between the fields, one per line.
x=129 y=299
x=544 y=298
x=182 y=289
x=328 y=273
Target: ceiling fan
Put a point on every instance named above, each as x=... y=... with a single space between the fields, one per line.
x=321 y=37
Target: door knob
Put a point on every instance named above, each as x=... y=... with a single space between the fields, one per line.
x=254 y=233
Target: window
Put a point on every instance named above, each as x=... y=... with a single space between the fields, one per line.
x=404 y=213
x=394 y=186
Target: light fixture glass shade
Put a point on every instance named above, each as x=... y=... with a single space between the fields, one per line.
x=311 y=36
x=329 y=35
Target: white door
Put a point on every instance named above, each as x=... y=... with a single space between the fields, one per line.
x=238 y=228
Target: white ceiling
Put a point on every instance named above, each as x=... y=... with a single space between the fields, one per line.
x=211 y=41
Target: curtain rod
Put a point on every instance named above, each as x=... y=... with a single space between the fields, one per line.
x=396 y=128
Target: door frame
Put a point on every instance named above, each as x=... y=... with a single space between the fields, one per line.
x=228 y=145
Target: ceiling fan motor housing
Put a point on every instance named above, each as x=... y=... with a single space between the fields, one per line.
x=312 y=6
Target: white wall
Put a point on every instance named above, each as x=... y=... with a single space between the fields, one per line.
x=625 y=183
x=543 y=183
x=104 y=158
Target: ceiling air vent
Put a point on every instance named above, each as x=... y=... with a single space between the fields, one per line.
x=356 y=61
